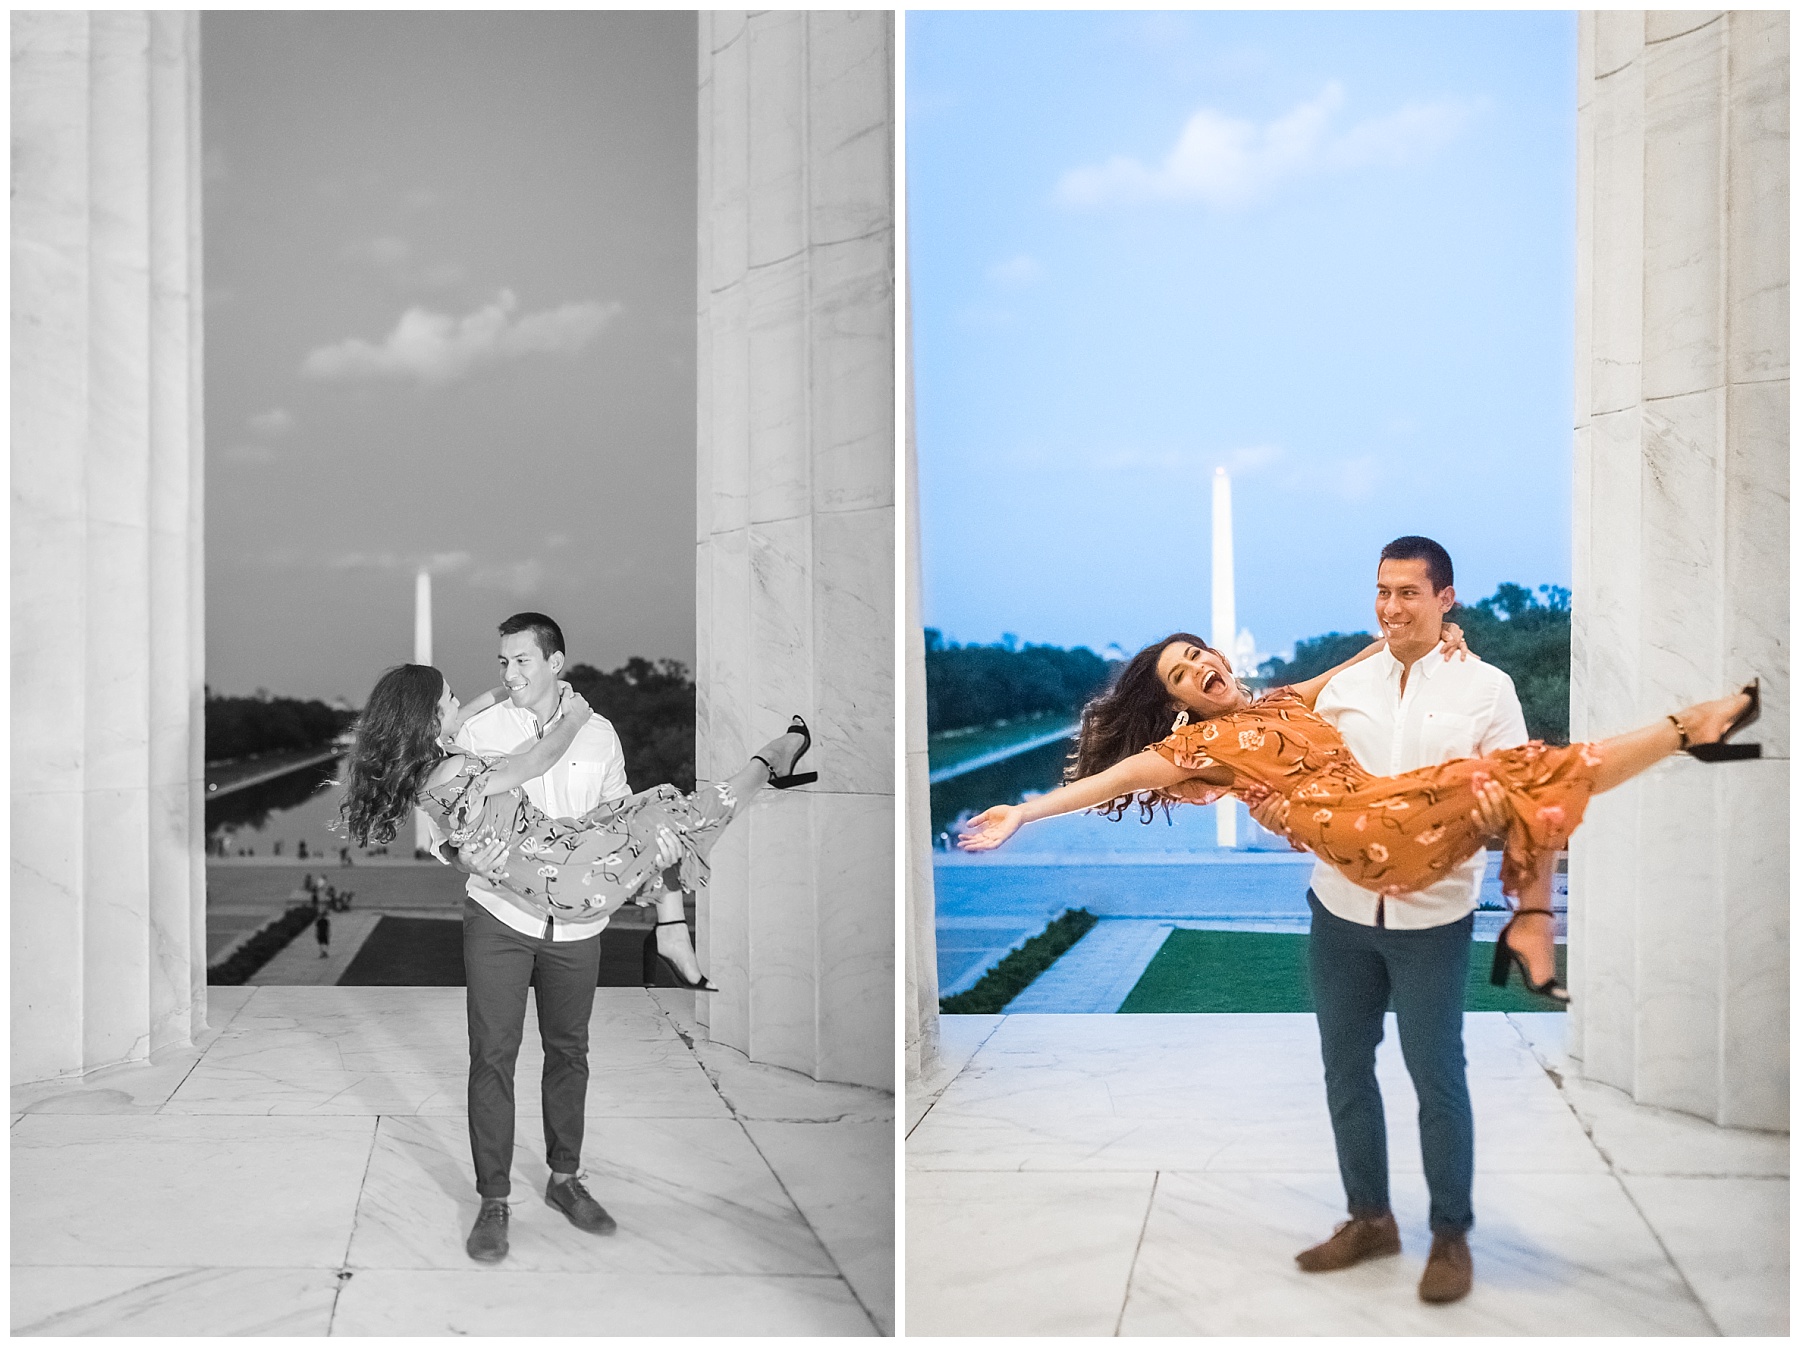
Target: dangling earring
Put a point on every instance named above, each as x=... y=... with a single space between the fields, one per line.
x=1180 y=720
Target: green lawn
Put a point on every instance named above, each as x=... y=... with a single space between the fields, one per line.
x=956 y=746
x=1222 y=972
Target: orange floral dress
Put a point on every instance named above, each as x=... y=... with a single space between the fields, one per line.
x=1390 y=834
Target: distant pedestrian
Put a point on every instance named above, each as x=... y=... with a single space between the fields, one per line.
x=277 y=846
x=301 y=850
x=322 y=929
x=344 y=856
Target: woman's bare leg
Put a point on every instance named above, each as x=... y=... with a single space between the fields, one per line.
x=754 y=775
x=1625 y=755
x=1535 y=938
x=672 y=941
x=1622 y=757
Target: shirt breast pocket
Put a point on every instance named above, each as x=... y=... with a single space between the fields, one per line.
x=1445 y=735
x=585 y=782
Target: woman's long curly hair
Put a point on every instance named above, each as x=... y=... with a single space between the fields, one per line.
x=396 y=747
x=1133 y=712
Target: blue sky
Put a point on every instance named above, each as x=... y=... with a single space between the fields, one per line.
x=449 y=320
x=1331 y=251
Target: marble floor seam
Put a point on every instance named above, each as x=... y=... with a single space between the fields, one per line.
x=800 y=1211
x=1137 y=1252
x=737 y=1117
x=1668 y=1254
x=1612 y=1169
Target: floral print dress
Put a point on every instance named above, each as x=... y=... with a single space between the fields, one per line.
x=576 y=868
x=1390 y=834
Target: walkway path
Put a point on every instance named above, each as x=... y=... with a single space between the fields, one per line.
x=1155 y=1174
x=306 y=1173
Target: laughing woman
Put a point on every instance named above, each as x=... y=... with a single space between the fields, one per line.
x=1393 y=835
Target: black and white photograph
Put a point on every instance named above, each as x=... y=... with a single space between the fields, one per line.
x=453 y=683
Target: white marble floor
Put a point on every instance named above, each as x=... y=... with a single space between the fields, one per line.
x=1155 y=1174
x=306 y=1172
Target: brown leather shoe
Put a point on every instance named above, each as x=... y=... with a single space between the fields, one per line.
x=1358 y=1238
x=1449 y=1272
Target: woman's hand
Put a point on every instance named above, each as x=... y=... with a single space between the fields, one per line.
x=1454 y=644
x=991 y=827
x=573 y=704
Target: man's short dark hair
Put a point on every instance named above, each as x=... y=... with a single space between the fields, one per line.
x=1413 y=548
x=548 y=635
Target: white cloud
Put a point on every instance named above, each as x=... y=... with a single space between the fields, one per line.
x=1015 y=271
x=1227 y=161
x=386 y=251
x=1350 y=479
x=274 y=422
x=521 y=579
x=436 y=348
x=438 y=563
x=1189 y=466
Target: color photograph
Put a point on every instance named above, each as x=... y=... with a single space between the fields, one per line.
x=1346 y=673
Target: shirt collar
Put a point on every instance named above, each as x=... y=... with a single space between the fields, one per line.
x=1427 y=664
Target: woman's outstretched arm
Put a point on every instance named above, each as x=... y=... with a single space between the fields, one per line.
x=1148 y=770
x=518 y=768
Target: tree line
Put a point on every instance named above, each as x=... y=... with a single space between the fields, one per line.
x=652 y=708
x=1525 y=635
x=651 y=705
x=238 y=727
x=970 y=685
x=1522 y=633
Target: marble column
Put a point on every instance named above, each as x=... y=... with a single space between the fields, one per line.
x=795 y=565
x=921 y=898
x=1678 y=882
x=108 y=876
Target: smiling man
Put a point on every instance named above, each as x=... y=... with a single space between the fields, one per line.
x=508 y=947
x=1399 y=711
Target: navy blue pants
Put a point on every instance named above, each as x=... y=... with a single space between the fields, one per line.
x=1356 y=971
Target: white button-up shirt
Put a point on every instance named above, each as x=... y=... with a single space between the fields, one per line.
x=1455 y=709
x=589 y=774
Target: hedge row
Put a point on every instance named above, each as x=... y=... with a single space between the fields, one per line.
x=1018 y=970
x=261 y=947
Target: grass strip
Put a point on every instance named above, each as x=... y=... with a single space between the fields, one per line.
x=1239 y=972
x=274 y=937
x=1021 y=968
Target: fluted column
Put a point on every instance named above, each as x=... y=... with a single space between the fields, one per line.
x=108 y=877
x=796 y=527
x=1678 y=882
x=921 y=897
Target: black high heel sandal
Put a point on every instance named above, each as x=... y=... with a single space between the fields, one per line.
x=1720 y=751
x=793 y=778
x=652 y=954
x=1505 y=956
